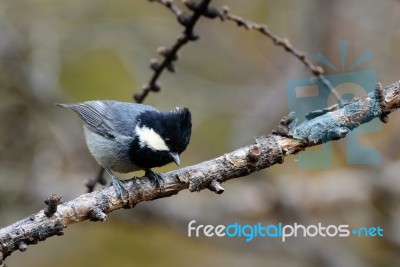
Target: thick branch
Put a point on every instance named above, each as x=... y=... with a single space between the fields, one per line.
x=267 y=151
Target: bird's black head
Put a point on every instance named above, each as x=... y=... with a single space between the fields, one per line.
x=161 y=137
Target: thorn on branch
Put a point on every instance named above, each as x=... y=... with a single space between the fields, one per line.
x=216 y=187
x=52 y=203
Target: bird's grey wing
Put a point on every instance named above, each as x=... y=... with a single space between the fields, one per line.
x=96 y=114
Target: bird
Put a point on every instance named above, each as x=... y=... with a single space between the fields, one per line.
x=125 y=137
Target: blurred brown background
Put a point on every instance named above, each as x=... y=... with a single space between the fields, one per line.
x=234 y=83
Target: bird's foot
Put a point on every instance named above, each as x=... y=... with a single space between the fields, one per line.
x=119 y=188
x=99 y=179
x=118 y=185
x=156 y=178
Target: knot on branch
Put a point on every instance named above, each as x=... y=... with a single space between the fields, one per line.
x=270 y=150
x=191 y=5
x=59 y=227
x=199 y=182
x=183 y=19
x=166 y=52
x=212 y=13
x=253 y=155
x=203 y=9
x=154 y=64
x=22 y=247
x=382 y=104
x=196 y=183
x=52 y=203
x=216 y=187
x=96 y=214
x=286 y=125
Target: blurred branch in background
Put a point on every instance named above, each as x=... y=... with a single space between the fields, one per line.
x=317 y=71
x=202 y=9
x=267 y=151
x=171 y=54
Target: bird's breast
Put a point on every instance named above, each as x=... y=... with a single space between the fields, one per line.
x=110 y=152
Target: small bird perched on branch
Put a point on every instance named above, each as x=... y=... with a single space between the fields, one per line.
x=126 y=137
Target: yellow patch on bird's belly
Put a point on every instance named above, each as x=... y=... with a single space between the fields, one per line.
x=148 y=137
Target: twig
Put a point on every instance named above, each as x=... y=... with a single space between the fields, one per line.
x=171 y=54
x=267 y=151
x=317 y=71
x=52 y=203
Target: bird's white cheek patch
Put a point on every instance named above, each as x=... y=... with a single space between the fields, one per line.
x=148 y=137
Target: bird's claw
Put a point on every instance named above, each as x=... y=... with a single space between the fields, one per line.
x=119 y=188
x=156 y=179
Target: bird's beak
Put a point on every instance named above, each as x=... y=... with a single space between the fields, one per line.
x=175 y=157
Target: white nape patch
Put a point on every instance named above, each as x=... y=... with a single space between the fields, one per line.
x=148 y=137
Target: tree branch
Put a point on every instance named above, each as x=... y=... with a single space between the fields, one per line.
x=171 y=54
x=317 y=71
x=331 y=124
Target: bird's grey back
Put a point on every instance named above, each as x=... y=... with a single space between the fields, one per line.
x=130 y=112
x=108 y=117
